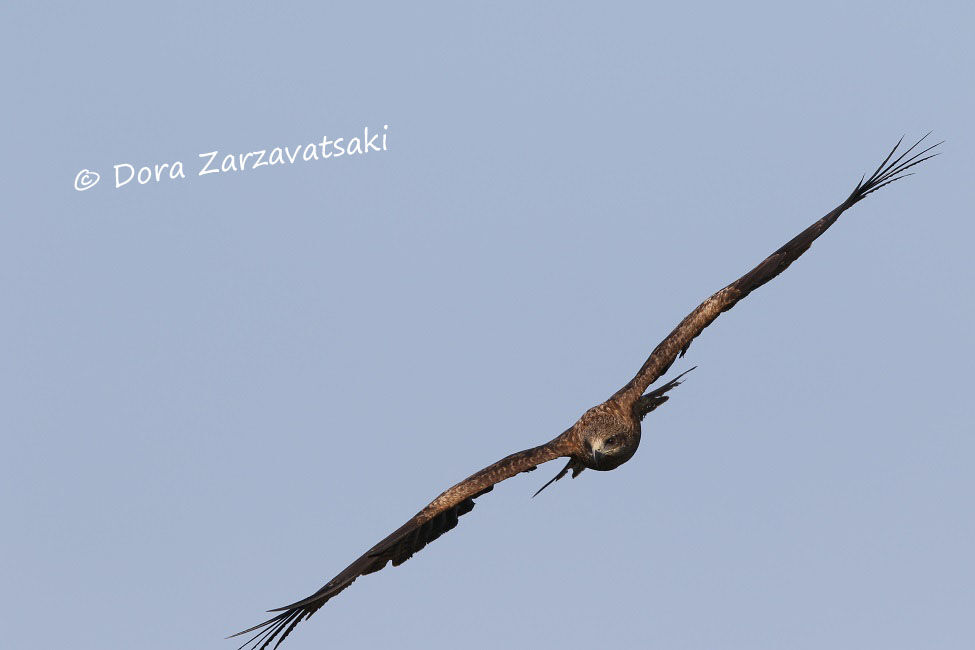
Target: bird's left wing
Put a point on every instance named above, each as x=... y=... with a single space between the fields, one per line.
x=427 y=525
x=677 y=342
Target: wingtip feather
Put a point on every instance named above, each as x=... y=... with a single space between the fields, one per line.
x=893 y=170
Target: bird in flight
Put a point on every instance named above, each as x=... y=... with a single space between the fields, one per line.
x=605 y=437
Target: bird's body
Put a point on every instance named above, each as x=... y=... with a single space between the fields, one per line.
x=605 y=436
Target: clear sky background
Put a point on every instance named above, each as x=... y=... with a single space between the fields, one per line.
x=218 y=391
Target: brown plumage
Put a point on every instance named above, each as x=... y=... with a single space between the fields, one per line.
x=605 y=437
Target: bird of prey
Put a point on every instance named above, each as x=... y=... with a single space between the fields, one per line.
x=605 y=437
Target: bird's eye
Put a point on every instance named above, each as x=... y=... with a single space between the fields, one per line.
x=612 y=441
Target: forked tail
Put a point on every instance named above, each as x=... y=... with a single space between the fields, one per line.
x=656 y=397
x=573 y=464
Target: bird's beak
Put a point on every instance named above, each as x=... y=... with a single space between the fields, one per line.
x=597 y=458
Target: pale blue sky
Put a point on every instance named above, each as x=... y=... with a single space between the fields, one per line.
x=218 y=391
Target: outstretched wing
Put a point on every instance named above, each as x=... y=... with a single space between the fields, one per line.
x=680 y=339
x=427 y=525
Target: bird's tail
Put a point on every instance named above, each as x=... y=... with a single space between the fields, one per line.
x=656 y=397
x=573 y=464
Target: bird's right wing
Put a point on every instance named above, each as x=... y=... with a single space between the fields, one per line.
x=427 y=525
x=694 y=323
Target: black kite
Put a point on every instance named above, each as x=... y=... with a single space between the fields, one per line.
x=605 y=437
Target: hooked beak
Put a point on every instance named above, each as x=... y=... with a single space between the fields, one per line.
x=597 y=458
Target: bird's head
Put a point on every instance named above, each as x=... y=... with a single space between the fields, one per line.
x=608 y=438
